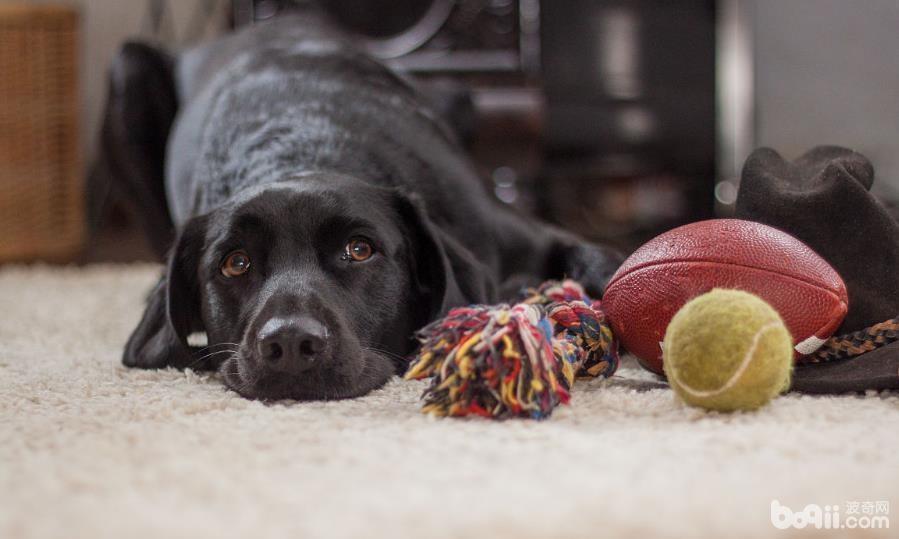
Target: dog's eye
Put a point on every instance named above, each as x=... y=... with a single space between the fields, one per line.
x=358 y=250
x=237 y=263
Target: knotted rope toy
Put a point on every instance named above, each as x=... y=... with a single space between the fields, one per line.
x=514 y=360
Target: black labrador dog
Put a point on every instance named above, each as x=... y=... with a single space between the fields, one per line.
x=321 y=212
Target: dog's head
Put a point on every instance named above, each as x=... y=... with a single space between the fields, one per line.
x=308 y=289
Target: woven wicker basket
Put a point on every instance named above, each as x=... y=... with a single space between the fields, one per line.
x=41 y=184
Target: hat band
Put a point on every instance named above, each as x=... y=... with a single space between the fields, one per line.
x=856 y=343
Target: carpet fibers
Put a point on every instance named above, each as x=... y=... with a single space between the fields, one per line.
x=91 y=449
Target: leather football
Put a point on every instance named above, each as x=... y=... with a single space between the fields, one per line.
x=669 y=270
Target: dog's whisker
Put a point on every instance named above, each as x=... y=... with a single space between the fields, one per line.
x=210 y=354
x=206 y=356
x=216 y=345
x=387 y=353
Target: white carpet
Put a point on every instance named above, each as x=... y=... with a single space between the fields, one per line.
x=91 y=449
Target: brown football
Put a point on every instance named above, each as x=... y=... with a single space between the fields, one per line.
x=669 y=270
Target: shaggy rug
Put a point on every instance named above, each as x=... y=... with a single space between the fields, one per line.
x=91 y=449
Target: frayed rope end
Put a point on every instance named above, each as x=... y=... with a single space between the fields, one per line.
x=514 y=361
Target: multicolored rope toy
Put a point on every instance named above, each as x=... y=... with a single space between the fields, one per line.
x=514 y=361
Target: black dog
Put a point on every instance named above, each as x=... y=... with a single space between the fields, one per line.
x=323 y=212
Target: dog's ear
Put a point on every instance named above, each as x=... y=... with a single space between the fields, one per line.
x=445 y=273
x=173 y=308
x=183 y=294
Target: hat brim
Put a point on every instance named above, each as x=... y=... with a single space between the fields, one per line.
x=877 y=369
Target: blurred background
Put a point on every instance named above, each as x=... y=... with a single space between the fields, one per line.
x=617 y=119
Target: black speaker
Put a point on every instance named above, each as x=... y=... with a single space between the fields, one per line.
x=428 y=35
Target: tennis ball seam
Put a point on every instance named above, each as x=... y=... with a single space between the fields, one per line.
x=738 y=373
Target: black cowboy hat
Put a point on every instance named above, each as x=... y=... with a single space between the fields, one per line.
x=823 y=198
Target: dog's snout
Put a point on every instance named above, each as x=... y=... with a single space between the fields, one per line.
x=292 y=345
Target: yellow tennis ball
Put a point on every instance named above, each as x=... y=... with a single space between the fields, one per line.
x=727 y=350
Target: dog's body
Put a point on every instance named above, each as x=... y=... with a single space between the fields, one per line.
x=323 y=212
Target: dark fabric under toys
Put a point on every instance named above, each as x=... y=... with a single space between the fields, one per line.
x=823 y=199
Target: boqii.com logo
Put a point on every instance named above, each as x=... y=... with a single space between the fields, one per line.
x=861 y=515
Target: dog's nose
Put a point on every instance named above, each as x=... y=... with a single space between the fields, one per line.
x=292 y=345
